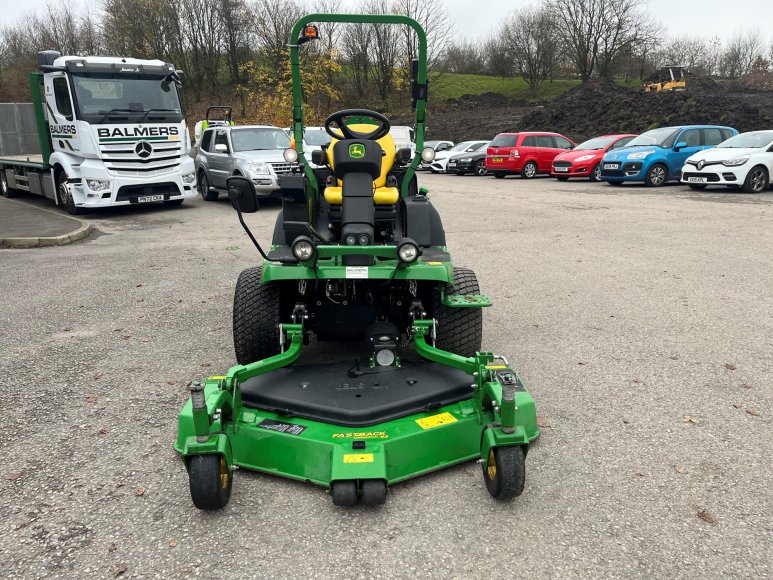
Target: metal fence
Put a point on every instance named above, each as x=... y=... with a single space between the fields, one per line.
x=18 y=132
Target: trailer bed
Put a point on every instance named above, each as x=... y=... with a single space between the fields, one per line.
x=36 y=160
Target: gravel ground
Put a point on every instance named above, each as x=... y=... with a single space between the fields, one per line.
x=641 y=320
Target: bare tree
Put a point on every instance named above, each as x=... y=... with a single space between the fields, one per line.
x=533 y=44
x=464 y=56
x=498 y=59
x=741 y=52
x=385 y=49
x=355 y=50
x=437 y=25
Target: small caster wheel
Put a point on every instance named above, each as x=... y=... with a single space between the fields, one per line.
x=210 y=480
x=344 y=492
x=373 y=491
x=505 y=472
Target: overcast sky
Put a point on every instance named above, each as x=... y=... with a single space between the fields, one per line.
x=474 y=18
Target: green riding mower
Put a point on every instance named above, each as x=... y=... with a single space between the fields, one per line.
x=358 y=257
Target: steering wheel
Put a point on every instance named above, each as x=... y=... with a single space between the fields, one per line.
x=341 y=131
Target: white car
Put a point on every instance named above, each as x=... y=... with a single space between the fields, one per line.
x=745 y=160
x=441 y=158
x=438 y=146
x=313 y=138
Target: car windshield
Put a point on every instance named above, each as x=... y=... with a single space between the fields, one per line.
x=316 y=137
x=130 y=98
x=504 y=141
x=657 y=137
x=461 y=146
x=255 y=139
x=756 y=140
x=595 y=144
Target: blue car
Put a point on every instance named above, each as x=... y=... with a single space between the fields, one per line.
x=658 y=156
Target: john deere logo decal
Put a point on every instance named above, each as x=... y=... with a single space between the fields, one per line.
x=356 y=151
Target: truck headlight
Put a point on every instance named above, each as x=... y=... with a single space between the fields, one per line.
x=189 y=178
x=259 y=168
x=98 y=184
x=735 y=162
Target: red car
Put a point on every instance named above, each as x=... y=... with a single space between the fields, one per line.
x=527 y=153
x=585 y=159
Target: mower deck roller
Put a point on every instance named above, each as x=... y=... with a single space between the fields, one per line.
x=358 y=254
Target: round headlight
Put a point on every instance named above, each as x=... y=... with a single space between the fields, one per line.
x=385 y=357
x=351 y=239
x=428 y=155
x=363 y=239
x=290 y=155
x=303 y=249
x=408 y=251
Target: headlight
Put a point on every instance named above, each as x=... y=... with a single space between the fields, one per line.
x=290 y=155
x=466 y=160
x=408 y=251
x=385 y=357
x=641 y=154
x=735 y=162
x=584 y=158
x=98 y=184
x=259 y=168
x=363 y=239
x=351 y=239
x=428 y=155
x=189 y=177
x=303 y=249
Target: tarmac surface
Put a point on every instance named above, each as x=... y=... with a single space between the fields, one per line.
x=641 y=321
x=35 y=221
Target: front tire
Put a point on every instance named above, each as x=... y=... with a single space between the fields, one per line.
x=504 y=472
x=204 y=191
x=5 y=189
x=210 y=481
x=256 y=317
x=459 y=330
x=529 y=170
x=65 y=195
x=757 y=180
x=595 y=173
x=480 y=168
x=657 y=175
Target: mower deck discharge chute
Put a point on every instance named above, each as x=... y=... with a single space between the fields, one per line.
x=358 y=254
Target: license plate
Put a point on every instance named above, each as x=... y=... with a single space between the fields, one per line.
x=697 y=180
x=147 y=198
x=611 y=166
x=561 y=169
x=452 y=163
x=497 y=159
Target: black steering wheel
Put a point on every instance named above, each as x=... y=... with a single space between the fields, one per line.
x=341 y=131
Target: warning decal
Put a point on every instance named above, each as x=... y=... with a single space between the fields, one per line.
x=358 y=458
x=291 y=428
x=436 y=420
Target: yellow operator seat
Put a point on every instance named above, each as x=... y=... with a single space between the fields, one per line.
x=382 y=195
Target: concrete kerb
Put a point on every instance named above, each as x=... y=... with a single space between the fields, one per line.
x=20 y=242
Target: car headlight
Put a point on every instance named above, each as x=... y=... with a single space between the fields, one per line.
x=584 y=158
x=259 y=168
x=303 y=249
x=466 y=160
x=98 y=184
x=735 y=162
x=408 y=251
x=189 y=177
x=641 y=154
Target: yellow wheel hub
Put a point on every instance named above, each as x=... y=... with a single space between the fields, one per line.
x=224 y=476
x=491 y=468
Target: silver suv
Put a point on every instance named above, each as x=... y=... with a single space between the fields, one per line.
x=252 y=151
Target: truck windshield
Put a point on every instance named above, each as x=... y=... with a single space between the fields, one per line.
x=254 y=139
x=126 y=99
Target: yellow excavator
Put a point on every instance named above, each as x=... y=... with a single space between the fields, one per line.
x=667 y=78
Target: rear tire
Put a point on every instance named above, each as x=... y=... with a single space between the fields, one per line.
x=210 y=481
x=529 y=170
x=459 y=330
x=757 y=180
x=203 y=186
x=4 y=187
x=256 y=317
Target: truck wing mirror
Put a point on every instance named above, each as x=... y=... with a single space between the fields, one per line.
x=242 y=194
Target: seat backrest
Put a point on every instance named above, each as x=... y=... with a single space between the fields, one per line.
x=387 y=145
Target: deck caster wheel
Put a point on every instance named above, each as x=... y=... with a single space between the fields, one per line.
x=505 y=472
x=210 y=480
x=344 y=493
x=373 y=491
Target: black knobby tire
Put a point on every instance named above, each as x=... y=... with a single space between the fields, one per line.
x=203 y=187
x=459 y=330
x=5 y=189
x=373 y=491
x=499 y=175
x=256 y=317
x=210 y=481
x=529 y=170
x=657 y=176
x=64 y=195
x=504 y=472
x=757 y=180
x=344 y=492
x=480 y=168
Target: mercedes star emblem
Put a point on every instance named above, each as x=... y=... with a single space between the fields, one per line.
x=700 y=165
x=143 y=149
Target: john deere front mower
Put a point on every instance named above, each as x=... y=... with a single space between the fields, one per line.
x=358 y=257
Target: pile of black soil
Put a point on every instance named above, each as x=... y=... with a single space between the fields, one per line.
x=597 y=108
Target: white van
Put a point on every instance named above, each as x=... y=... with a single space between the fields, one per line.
x=404 y=137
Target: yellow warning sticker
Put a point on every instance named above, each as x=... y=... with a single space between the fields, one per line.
x=217 y=378
x=496 y=367
x=435 y=263
x=358 y=458
x=436 y=420
x=361 y=435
